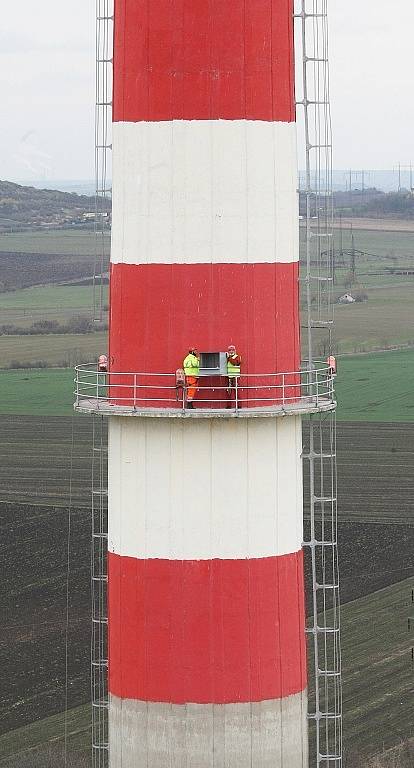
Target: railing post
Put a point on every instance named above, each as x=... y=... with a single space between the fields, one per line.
x=77 y=386
x=283 y=388
x=135 y=390
x=317 y=388
x=97 y=386
x=184 y=394
x=236 y=395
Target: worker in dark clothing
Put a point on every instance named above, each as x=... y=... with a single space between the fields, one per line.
x=233 y=373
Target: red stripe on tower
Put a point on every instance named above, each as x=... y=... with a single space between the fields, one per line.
x=204 y=60
x=207 y=662
x=205 y=631
x=255 y=305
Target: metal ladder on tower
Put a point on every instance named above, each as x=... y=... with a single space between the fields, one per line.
x=99 y=589
x=99 y=511
x=319 y=455
x=103 y=146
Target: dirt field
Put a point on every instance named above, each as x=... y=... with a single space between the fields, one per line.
x=36 y=456
x=20 y=270
x=377 y=225
x=33 y=609
x=35 y=470
x=375 y=461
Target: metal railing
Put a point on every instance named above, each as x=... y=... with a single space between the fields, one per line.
x=138 y=391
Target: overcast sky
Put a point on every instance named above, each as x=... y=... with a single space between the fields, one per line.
x=47 y=86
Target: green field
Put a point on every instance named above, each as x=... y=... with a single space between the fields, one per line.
x=37 y=392
x=61 y=350
x=58 y=241
x=376 y=387
x=393 y=245
x=44 y=297
x=377 y=682
x=372 y=387
x=385 y=320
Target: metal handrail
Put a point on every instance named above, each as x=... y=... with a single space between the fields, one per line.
x=139 y=390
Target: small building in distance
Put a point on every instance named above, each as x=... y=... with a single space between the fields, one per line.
x=346 y=299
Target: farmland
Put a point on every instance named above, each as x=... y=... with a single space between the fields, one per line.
x=41 y=441
x=386 y=317
x=377 y=668
x=377 y=683
x=59 y=350
x=373 y=387
x=21 y=270
x=61 y=304
x=376 y=387
x=61 y=242
x=374 y=461
x=33 y=609
x=35 y=475
x=46 y=297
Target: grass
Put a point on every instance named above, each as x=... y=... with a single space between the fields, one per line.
x=376 y=387
x=385 y=320
x=58 y=241
x=394 y=245
x=370 y=388
x=44 y=297
x=37 y=392
x=57 y=350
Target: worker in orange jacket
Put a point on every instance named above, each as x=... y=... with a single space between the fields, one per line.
x=191 y=367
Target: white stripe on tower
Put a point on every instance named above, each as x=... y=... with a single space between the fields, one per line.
x=162 y=518
x=218 y=191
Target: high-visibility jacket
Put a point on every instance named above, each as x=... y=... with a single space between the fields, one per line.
x=233 y=365
x=191 y=365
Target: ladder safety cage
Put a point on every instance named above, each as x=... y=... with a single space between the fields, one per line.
x=103 y=149
x=99 y=496
x=319 y=453
x=315 y=183
x=99 y=588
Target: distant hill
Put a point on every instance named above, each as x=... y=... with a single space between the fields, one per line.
x=30 y=208
x=368 y=203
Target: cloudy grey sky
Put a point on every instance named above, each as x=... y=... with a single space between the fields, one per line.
x=47 y=86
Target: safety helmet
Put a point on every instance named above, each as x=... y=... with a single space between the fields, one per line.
x=231 y=348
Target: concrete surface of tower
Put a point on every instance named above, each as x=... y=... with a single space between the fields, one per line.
x=207 y=661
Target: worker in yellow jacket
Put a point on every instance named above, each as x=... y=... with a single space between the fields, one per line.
x=191 y=367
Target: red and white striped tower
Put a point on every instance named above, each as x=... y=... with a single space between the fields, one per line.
x=207 y=661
